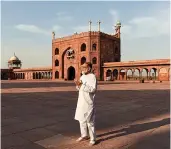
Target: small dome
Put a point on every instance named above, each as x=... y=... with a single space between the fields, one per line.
x=14 y=58
x=118 y=23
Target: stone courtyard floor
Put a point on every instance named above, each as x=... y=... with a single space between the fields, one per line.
x=40 y=115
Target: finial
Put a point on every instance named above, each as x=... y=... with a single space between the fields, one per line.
x=90 y=25
x=99 y=22
x=14 y=53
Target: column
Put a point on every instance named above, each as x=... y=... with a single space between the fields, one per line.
x=104 y=74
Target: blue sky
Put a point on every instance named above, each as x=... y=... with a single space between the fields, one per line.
x=27 y=26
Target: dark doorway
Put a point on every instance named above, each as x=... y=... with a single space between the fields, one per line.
x=115 y=74
x=71 y=73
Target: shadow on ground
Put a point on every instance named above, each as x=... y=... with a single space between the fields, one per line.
x=133 y=129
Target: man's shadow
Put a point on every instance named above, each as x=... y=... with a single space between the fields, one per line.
x=133 y=129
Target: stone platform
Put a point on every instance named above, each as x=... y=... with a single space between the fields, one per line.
x=40 y=115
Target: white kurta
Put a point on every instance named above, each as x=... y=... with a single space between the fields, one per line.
x=85 y=110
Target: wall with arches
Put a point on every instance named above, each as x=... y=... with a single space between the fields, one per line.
x=127 y=71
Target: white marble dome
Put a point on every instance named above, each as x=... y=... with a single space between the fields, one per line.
x=14 y=58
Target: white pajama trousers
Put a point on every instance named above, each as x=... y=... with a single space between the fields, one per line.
x=91 y=128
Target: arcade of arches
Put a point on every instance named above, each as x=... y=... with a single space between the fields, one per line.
x=30 y=73
x=136 y=70
x=33 y=75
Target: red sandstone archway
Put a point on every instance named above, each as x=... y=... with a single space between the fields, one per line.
x=37 y=75
x=137 y=74
x=40 y=75
x=57 y=75
x=129 y=74
x=115 y=74
x=108 y=75
x=94 y=60
x=94 y=47
x=83 y=60
x=153 y=74
x=144 y=74
x=83 y=47
x=56 y=62
x=56 y=51
x=49 y=75
x=45 y=75
x=71 y=73
x=23 y=75
x=122 y=74
x=34 y=75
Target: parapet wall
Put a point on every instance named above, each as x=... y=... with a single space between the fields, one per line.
x=33 y=69
x=141 y=62
x=84 y=34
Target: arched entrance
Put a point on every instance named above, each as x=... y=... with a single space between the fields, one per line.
x=137 y=74
x=83 y=60
x=144 y=74
x=115 y=74
x=71 y=73
x=129 y=74
x=122 y=74
x=57 y=75
x=153 y=74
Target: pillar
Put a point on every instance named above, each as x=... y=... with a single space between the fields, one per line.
x=133 y=74
x=104 y=74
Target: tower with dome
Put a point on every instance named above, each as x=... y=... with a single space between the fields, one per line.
x=14 y=62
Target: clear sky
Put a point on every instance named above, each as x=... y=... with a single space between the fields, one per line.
x=27 y=26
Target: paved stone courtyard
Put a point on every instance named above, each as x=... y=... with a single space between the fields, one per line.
x=129 y=115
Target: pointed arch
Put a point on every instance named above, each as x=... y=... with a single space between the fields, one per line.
x=56 y=51
x=57 y=75
x=83 y=47
x=94 y=60
x=56 y=62
x=83 y=60
x=94 y=46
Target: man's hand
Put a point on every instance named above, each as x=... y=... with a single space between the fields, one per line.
x=78 y=83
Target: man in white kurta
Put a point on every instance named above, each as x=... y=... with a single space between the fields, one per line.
x=85 y=111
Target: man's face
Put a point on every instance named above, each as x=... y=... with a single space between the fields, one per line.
x=85 y=69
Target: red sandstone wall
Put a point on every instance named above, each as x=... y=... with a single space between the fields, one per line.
x=110 y=50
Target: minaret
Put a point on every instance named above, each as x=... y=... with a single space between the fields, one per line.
x=98 y=25
x=117 y=29
x=90 y=25
x=53 y=35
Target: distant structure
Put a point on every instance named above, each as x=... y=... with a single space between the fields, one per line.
x=14 y=62
x=103 y=50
